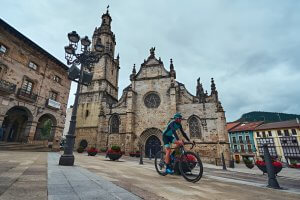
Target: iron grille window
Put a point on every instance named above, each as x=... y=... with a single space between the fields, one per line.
x=294 y=132
x=114 y=124
x=290 y=147
x=32 y=65
x=152 y=100
x=27 y=86
x=233 y=139
x=3 y=48
x=194 y=126
x=53 y=95
x=271 y=146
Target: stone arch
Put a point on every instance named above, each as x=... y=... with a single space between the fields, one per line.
x=148 y=134
x=41 y=122
x=194 y=127
x=16 y=124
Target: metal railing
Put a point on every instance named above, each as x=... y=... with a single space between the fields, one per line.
x=24 y=94
x=7 y=86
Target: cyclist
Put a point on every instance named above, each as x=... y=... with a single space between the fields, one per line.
x=170 y=136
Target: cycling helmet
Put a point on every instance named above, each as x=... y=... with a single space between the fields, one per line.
x=178 y=115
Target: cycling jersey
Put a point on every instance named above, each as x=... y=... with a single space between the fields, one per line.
x=170 y=132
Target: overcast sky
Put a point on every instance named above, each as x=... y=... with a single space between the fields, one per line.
x=250 y=47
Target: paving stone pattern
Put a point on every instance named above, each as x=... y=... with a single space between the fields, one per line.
x=65 y=182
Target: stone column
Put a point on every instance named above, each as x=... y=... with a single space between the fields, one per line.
x=130 y=122
x=30 y=130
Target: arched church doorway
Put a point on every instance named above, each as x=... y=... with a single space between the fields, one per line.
x=152 y=146
x=151 y=138
x=14 y=125
x=46 y=128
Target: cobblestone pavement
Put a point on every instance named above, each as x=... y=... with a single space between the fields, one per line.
x=23 y=175
x=144 y=181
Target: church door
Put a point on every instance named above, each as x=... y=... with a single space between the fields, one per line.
x=152 y=146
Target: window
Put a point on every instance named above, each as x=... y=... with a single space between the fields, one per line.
x=257 y=134
x=3 y=49
x=249 y=148
x=53 y=95
x=241 y=139
x=194 y=126
x=233 y=139
x=294 y=132
x=57 y=79
x=242 y=148
x=286 y=133
x=279 y=132
x=264 y=134
x=235 y=148
x=270 y=133
x=247 y=138
x=114 y=124
x=32 y=65
x=27 y=86
x=152 y=100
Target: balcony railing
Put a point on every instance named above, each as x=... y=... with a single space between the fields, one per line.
x=24 y=94
x=7 y=87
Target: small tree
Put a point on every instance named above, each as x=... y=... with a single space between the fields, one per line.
x=46 y=130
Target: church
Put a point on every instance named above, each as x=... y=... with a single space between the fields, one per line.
x=147 y=104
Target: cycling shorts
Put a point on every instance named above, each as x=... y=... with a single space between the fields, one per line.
x=168 y=140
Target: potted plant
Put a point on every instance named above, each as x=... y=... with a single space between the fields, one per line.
x=92 y=151
x=248 y=163
x=114 y=153
x=80 y=149
x=137 y=154
x=132 y=154
x=262 y=166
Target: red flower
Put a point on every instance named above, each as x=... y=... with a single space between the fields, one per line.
x=277 y=164
x=260 y=163
x=92 y=149
x=110 y=151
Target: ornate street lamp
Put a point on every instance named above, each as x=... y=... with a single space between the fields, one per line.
x=83 y=77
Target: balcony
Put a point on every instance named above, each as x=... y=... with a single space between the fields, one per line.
x=50 y=103
x=28 y=96
x=7 y=87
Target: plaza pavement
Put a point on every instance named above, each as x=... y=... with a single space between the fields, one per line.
x=36 y=175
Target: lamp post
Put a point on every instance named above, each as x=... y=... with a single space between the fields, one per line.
x=82 y=76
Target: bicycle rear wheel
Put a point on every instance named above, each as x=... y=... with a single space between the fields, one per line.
x=160 y=164
x=191 y=167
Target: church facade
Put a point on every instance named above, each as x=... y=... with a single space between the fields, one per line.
x=154 y=95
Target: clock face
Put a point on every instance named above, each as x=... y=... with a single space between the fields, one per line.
x=152 y=100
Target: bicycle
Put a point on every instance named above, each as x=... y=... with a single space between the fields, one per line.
x=190 y=164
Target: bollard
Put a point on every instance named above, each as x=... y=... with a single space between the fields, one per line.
x=150 y=155
x=141 y=155
x=231 y=163
x=223 y=162
x=272 y=181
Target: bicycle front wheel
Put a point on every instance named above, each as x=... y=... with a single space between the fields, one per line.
x=160 y=164
x=191 y=167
